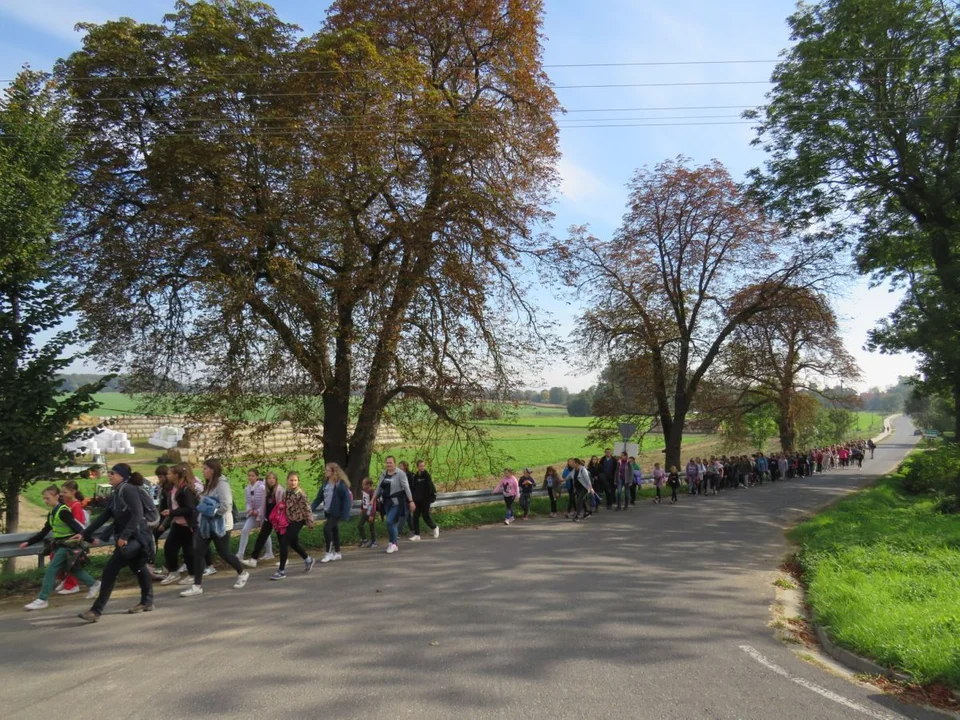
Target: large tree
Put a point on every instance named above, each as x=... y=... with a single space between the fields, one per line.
x=34 y=187
x=784 y=351
x=863 y=128
x=274 y=218
x=664 y=291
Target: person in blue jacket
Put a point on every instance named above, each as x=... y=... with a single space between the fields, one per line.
x=336 y=502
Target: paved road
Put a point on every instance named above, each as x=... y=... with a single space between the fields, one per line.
x=630 y=615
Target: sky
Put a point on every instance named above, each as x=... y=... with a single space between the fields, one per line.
x=677 y=46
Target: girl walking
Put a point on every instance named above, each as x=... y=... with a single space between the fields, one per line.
x=424 y=495
x=181 y=516
x=551 y=481
x=510 y=488
x=527 y=485
x=336 y=509
x=659 y=480
x=673 y=480
x=253 y=493
x=368 y=515
x=215 y=511
x=63 y=527
x=71 y=496
x=273 y=496
x=583 y=484
x=296 y=507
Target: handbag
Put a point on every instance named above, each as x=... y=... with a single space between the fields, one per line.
x=131 y=549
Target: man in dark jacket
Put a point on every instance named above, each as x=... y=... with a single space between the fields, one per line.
x=133 y=538
x=608 y=474
x=424 y=495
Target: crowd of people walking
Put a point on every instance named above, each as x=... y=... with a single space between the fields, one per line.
x=196 y=514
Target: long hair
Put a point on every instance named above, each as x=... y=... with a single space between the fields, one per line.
x=217 y=468
x=184 y=474
x=338 y=473
x=75 y=487
x=136 y=479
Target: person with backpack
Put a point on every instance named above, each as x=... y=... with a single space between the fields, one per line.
x=393 y=490
x=509 y=488
x=583 y=486
x=424 y=495
x=273 y=496
x=133 y=537
x=289 y=517
x=215 y=522
x=63 y=527
x=336 y=509
x=71 y=496
x=637 y=480
x=180 y=516
x=368 y=515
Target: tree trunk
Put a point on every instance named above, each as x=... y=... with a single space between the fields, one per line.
x=673 y=440
x=361 y=452
x=12 y=523
x=336 y=417
x=956 y=412
x=788 y=434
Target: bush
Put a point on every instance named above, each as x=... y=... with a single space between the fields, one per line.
x=935 y=472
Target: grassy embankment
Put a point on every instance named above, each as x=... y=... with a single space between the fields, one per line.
x=882 y=570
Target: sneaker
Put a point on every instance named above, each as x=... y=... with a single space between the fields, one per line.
x=308 y=564
x=59 y=587
x=436 y=532
x=89 y=616
x=193 y=590
x=93 y=592
x=506 y=521
x=392 y=548
x=37 y=604
x=414 y=538
x=279 y=575
x=210 y=570
x=251 y=563
x=171 y=579
x=182 y=568
x=140 y=608
x=269 y=557
x=364 y=543
x=72 y=591
x=188 y=580
x=241 y=580
x=327 y=558
x=336 y=556
x=553 y=514
x=373 y=544
x=576 y=519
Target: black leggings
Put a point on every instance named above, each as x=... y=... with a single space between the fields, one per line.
x=571 y=501
x=362 y=526
x=422 y=512
x=633 y=493
x=262 y=536
x=200 y=548
x=180 y=538
x=137 y=565
x=553 y=500
x=291 y=539
x=331 y=533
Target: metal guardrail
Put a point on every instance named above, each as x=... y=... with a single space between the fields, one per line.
x=10 y=544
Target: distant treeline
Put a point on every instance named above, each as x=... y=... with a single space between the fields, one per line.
x=74 y=381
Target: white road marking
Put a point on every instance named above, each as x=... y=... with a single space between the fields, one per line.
x=829 y=694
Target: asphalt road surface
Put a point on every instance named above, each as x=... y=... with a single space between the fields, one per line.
x=661 y=612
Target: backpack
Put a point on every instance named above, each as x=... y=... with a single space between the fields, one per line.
x=278 y=518
x=151 y=516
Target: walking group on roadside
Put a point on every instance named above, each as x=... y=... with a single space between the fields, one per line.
x=196 y=514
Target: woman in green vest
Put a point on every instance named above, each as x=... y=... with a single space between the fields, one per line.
x=62 y=526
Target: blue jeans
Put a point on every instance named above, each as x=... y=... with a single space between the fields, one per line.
x=623 y=492
x=394 y=515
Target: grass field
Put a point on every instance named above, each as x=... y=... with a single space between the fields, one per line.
x=883 y=575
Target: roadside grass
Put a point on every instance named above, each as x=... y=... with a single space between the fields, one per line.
x=26 y=582
x=882 y=570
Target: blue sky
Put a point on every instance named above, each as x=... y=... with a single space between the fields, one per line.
x=597 y=161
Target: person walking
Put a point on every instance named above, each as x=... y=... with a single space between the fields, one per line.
x=659 y=480
x=273 y=496
x=394 y=493
x=63 y=528
x=336 y=509
x=133 y=539
x=424 y=495
x=583 y=485
x=551 y=481
x=510 y=488
x=368 y=515
x=673 y=480
x=637 y=480
x=253 y=493
x=624 y=481
x=527 y=486
x=215 y=523
x=568 y=473
x=296 y=512
x=608 y=474
x=181 y=518
x=71 y=496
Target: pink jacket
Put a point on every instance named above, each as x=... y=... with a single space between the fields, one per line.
x=509 y=486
